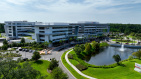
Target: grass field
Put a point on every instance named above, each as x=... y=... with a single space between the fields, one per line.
x=70 y=68
x=119 y=72
x=125 y=71
x=41 y=65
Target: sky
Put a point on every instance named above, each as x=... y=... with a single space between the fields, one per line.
x=103 y=11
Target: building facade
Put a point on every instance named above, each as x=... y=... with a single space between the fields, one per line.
x=54 y=32
x=18 y=29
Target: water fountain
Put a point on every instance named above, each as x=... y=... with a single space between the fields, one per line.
x=122 y=47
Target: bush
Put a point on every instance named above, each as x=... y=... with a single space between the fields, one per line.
x=130 y=57
x=53 y=64
x=70 y=56
x=36 y=56
x=81 y=67
x=58 y=73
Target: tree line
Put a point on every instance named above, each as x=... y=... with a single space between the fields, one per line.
x=125 y=28
x=2 y=28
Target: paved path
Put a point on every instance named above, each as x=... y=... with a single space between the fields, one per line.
x=66 y=57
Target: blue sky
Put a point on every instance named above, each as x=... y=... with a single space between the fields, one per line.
x=103 y=11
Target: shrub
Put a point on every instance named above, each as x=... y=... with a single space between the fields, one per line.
x=36 y=56
x=130 y=57
x=81 y=67
x=53 y=64
x=70 y=56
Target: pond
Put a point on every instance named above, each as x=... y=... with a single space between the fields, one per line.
x=105 y=56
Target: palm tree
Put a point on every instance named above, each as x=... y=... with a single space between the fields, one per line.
x=60 y=42
x=127 y=39
x=116 y=38
x=121 y=39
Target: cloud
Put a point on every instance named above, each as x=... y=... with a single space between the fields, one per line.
x=68 y=10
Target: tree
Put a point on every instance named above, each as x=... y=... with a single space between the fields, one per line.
x=22 y=40
x=130 y=57
x=46 y=44
x=94 y=46
x=88 y=49
x=36 y=56
x=127 y=39
x=5 y=42
x=137 y=54
x=116 y=38
x=60 y=42
x=11 y=69
x=5 y=47
x=121 y=39
x=53 y=64
x=70 y=39
x=58 y=73
x=117 y=58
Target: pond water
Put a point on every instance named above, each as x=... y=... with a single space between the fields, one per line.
x=105 y=56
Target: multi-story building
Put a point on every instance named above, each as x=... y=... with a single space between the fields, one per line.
x=91 y=28
x=54 y=31
x=17 y=29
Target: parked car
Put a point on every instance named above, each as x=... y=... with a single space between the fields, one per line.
x=20 y=49
x=25 y=59
x=23 y=49
x=26 y=50
x=30 y=51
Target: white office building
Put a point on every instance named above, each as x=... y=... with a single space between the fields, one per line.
x=18 y=29
x=53 y=31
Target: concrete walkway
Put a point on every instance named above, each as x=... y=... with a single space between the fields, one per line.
x=66 y=58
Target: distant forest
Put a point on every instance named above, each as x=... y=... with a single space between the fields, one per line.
x=2 y=28
x=125 y=28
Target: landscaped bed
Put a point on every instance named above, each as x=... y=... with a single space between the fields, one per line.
x=124 y=41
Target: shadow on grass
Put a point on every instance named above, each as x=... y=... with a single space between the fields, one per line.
x=132 y=61
x=122 y=65
x=39 y=62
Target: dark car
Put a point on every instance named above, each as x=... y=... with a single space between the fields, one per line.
x=20 y=49
x=25 y=59
x=26 y=50
x=23 y=50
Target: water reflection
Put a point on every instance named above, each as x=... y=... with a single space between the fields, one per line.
x=105 y=55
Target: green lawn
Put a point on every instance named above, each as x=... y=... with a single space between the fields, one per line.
x=70 y=68
x=118 y=40
x=119 y=72
x=41 y=65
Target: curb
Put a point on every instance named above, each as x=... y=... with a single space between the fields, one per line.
x=66 y=68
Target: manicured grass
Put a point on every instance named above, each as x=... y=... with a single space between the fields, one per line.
x=70 y=68
x=41 y=65
x=118 y=40
x=119 y=72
